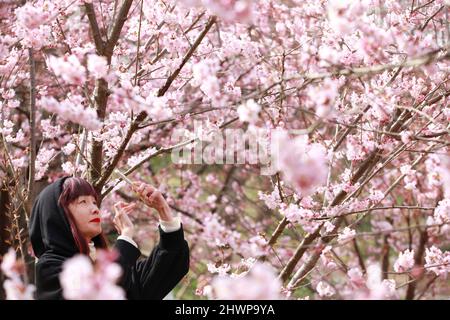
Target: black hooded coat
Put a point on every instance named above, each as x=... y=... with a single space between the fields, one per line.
x=143 y=278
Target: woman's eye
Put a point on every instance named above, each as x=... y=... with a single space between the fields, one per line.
x=83 y=201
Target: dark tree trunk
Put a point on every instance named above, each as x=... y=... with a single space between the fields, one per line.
x=4 y=233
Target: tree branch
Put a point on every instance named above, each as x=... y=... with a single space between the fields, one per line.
x=101 y=99
x=133 y=128
x=191 y=51
x=32 y=164
x=99 y=44
x=101 y=92
x=418 y=262
x=117 y=28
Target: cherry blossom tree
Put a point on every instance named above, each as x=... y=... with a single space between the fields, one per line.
x=354 y=93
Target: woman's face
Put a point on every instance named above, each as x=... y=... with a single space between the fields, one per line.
x=86 y=213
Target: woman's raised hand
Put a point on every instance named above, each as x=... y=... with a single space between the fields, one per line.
x=153 y=198
x=122 y=221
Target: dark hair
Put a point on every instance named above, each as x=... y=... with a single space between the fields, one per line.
x=72 y=189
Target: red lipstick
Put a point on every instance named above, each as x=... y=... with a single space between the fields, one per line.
x=95 y=220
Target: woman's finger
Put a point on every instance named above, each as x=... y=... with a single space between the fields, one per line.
x=128 y=216
x=141 y=187
x=119 y=204
x=117 y=227
x=118 y=207
x=135 y=186
x=126 y=222
x=154 y=195
x=130 y=206
x=149 y=191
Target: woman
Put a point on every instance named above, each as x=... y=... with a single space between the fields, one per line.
x=65 y=221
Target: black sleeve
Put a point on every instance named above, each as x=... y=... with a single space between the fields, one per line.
x=167 y=264
x=47 y=274
x=128 y=255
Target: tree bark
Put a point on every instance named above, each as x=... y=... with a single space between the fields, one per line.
x=5 y=236
x=417 y=262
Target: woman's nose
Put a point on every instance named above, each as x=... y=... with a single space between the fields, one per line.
x=95 y=210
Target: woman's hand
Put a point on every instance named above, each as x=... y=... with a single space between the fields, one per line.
x=122 y=221
x=153 y=198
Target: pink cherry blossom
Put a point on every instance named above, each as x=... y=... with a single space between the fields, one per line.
x=356 y=277
x=16 y=290
x=80 y=280
x=405 y=261
x=72 y=110
x=216 y=234
x=439 y=222
x=222 y=270
x=324 y=289
x=324 y=97
x=69 y=68
x=302 y=216
x=377 y=288
x=229 y=10
x=134 y=160
x=17 y=137
x=14 y=286
x=68 y=168
x=327 y=259
x=30 y=16
x=410 y=178
x=43 y=160
x=259 y=283
x=8 y=94
x=406 y=136
x=29 y=25
x=159 y=109
x=271 y=200
x=437 y=261
x=7 y=128
x=49 y=131
x=20 y=162
x=303 y=164
x=376 y=195
x=442 y=212
x=258 y=246
x=248 y=112
x=97 y=66
x=9 y=264
x=69 y=148
x=346 y=235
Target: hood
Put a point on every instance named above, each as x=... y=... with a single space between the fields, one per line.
x=49 y=228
